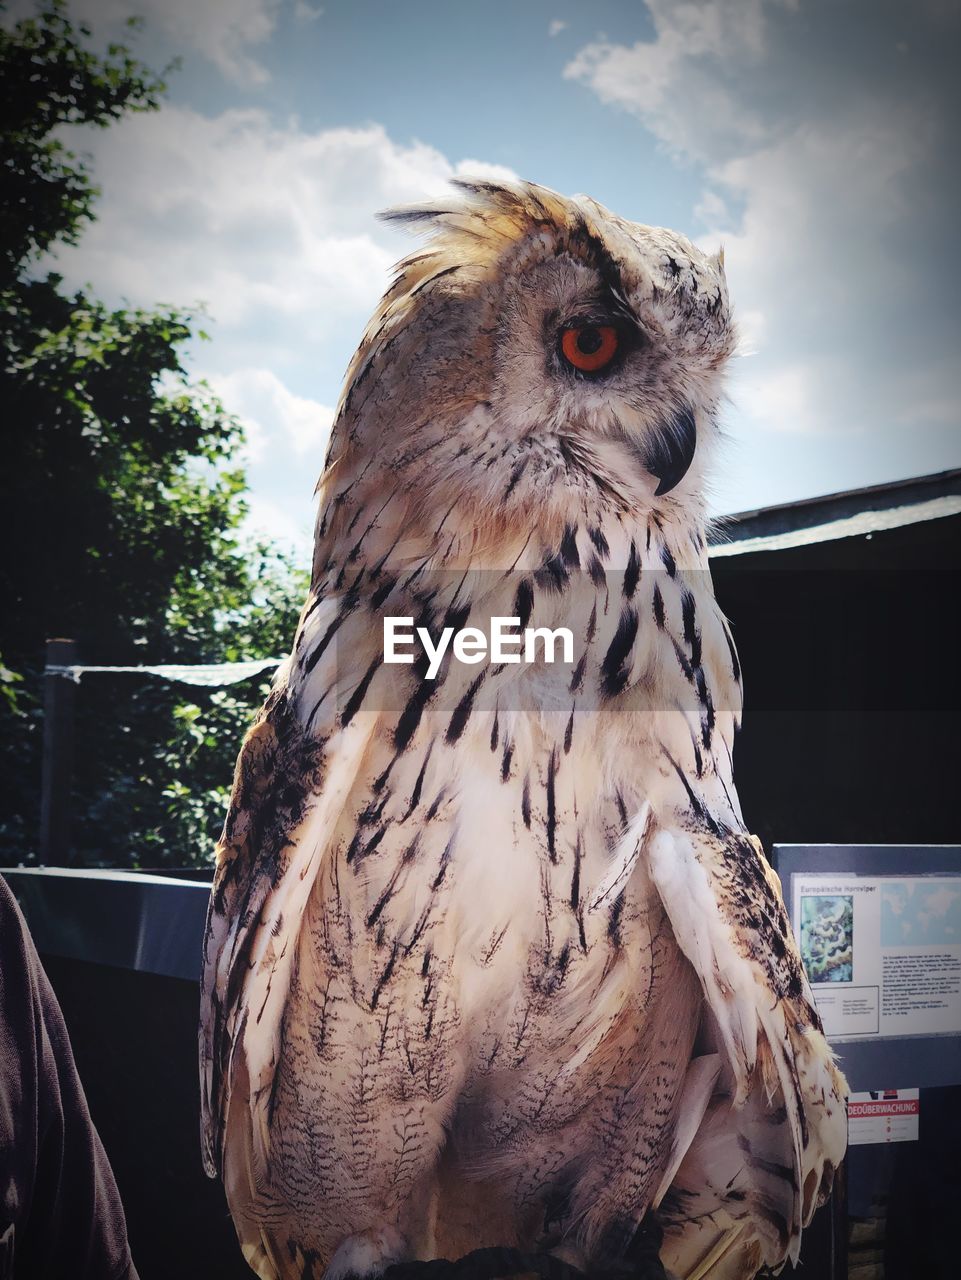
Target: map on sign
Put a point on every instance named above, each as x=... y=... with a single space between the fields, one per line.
x=915 y=913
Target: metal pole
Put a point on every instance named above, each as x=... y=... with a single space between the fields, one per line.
x=58 y=707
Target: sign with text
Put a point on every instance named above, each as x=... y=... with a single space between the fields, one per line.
x=883 y=1115
x=883 y=953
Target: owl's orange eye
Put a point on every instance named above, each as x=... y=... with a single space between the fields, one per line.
x=589 y=347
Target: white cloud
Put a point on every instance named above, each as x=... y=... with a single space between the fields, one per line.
x=803 y=261
x=483 y=169
x=779 y=397
x=284 y=523
x=271 y=226
x=269 y=410
x=684 y=84
x=222 y=31
x=556 y=27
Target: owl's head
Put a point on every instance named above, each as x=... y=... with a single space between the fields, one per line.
x=538 y=356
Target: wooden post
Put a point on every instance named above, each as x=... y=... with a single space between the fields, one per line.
x=58 y=704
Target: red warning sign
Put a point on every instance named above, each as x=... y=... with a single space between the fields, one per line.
x=883 y=1115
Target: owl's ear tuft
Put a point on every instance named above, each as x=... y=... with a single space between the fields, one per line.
x=718 y=259
x=484 y=192
x=478 y=186
x=417 y=216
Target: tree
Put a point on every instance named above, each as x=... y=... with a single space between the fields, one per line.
x=50 y=79
x=121 y=502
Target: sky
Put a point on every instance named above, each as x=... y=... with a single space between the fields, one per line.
x=815 y=139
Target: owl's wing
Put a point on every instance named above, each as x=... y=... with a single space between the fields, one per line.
x=289 y=789
x=775 y=1127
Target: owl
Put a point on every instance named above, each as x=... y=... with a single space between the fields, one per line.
x=491 y=958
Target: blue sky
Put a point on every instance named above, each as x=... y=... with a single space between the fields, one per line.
x=816 y=139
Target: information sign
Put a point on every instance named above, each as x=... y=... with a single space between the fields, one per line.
x=882 y=953
x=879 y=930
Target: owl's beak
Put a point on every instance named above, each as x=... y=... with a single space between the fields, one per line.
x=671 y=451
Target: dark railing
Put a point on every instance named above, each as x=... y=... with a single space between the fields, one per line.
x=125 y=919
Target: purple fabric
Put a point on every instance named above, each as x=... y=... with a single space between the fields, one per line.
x=60 y=1211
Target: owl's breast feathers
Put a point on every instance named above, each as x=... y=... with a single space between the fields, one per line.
x=406 y=797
